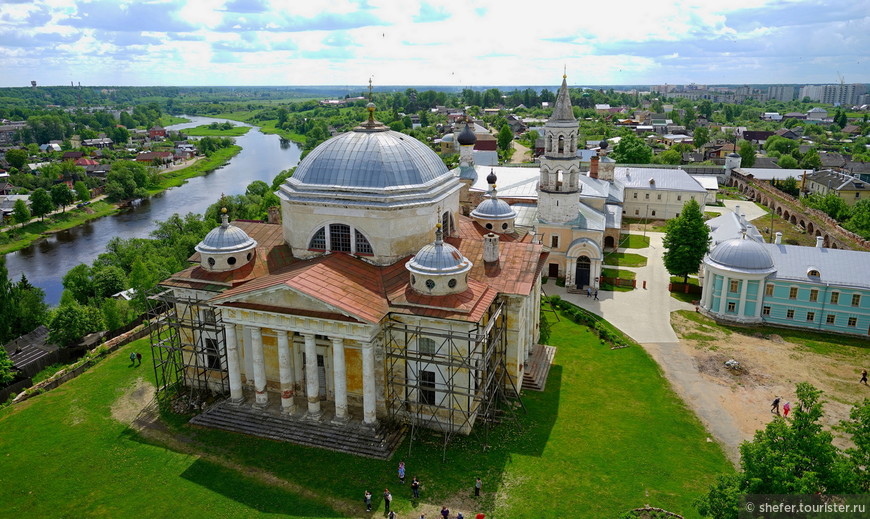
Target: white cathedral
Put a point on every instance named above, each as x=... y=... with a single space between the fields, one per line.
x=394 y=291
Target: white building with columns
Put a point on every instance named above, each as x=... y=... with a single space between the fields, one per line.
x=375 y=300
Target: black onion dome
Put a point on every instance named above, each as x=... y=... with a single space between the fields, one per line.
x=466 y=137
x=491 y=178
x=603 y=144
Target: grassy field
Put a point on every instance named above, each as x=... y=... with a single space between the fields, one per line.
x=634 y=241
x=624 y=259
x=618 y=273
x=205 y=131
x=20 y=238
x=201 y=167
x=607 y=435
x=682 y=296
x=168 y=120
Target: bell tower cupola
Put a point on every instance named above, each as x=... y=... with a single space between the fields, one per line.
x=559 y=186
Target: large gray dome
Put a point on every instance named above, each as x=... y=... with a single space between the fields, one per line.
x=494 y=209
x=742 y=254
x=370 y=159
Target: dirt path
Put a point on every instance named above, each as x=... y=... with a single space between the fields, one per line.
x=520 y=154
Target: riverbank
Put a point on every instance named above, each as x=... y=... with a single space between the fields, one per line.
x=19 y=238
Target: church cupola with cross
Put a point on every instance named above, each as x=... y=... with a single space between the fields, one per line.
x=559 y=186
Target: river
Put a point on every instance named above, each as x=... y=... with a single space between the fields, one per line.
x=46 y=261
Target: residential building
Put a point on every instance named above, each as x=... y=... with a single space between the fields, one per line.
x=783 y=93
x=657 y=194
x=850 y=189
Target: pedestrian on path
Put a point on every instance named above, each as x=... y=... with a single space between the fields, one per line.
x=596 y=295
x=774 y=407
x=864 y=376
x=445 y=512
x=388 y=498
x=415 y=488
x=367 y=499
x=588 y=292
x=139 y=358
x=477 y=485
x=402 y=471
x=785 y=409
x=132 y=358
x=392 y=515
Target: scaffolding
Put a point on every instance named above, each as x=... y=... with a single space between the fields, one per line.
x=188 y=346
x=468 y=378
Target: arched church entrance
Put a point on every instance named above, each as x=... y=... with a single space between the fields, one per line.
x=584 y=265
x=609 y=242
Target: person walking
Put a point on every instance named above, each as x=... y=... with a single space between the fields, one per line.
x=477 y=485
x=402 y=471
x=588 y=292
x=864 y=376
x=392 y=515
x=139 y=358
x=132 y=358
x=445 y=512
x=415 y=488
x=367 y=499
x=774 y=407
x=596 y=295
x=388 y=498
x=785 y=409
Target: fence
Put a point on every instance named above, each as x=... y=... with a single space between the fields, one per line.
x=618 y=282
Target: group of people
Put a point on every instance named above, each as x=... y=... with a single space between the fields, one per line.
x=415 y=494
x=590 y=293
x=135 y=356
x=774 y=407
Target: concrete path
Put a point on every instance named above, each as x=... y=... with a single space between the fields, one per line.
x=644 y=315
x=750 y=209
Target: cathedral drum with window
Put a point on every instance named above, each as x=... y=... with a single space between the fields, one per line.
x=373 y=301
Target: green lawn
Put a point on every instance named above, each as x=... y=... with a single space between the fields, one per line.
x=606 y=436
x=168 y=120
x=625 y=259
x=205 y=131
x=682 y=296
x=634 y=241
x=200 y=167
x=618 y=273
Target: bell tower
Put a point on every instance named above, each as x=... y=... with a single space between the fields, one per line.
x=559 y=186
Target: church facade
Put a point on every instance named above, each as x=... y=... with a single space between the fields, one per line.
x=375 y=300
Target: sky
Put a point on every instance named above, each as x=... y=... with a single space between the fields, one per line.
x=457 y=43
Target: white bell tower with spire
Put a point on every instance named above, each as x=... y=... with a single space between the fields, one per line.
x=559 y=186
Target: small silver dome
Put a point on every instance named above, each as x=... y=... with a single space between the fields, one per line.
x=225 y=239
x=438 y=258
x=742 y=254
x=734 y=155
x=466 y=137
x=494 y=209
x=370 y=158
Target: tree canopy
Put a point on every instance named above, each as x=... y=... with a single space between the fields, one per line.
x=686 y=241
x=41 y=203
x=632 y=150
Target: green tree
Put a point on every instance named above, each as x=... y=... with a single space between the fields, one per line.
x=705 y=108
x=79 y=282
x=505 y=136
x=127 y=180
x=41 y=203
x=632 y=150
x=28 y=309
x=746 y=150
x=20 y=212
x=811 y=160
x=794 y=456
x=859 y=223
x=701 y=137
x=72 y=322
x=669 y=156
x=6 y=301
x=61 y=195
x=17 y=158
x=7 y=374
x=787 y=162
x=83 y=194
x=108 y=280
x=830 y=204
x=858 y=425
x=686 y=241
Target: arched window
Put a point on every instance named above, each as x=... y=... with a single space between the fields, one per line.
x=447 y=223
x=549 y=143
x=339 y=237
x=561 y=144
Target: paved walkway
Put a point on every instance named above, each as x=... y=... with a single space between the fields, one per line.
x=750 y=209
x=644 y=315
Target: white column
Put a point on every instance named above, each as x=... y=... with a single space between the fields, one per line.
x=339 y=373
x=261 y=398
x=760 y=296
x=741 y=305
x=312 y=378
x=236 y=396
x=709 y=287
x=369 y=383
x=723 y=295
x=285 y=372
x=298 y=364
x=570 y=271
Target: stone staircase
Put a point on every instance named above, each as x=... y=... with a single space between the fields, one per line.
x=538 y=367
x=352 y=437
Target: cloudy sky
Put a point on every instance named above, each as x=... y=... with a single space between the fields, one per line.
x=432 y=42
